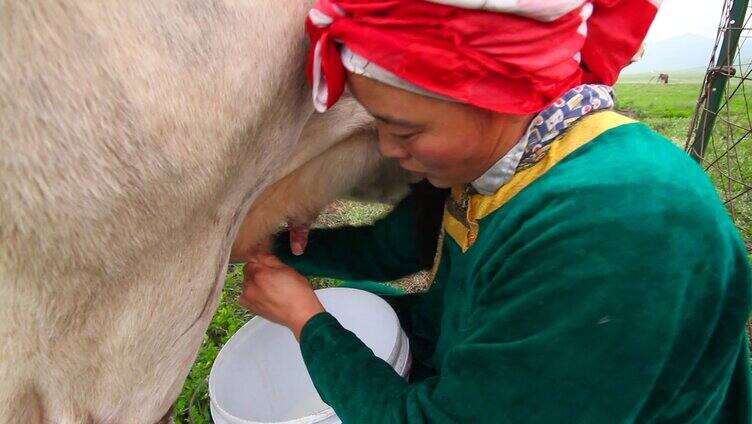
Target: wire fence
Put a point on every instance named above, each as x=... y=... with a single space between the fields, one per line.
x=720 y=133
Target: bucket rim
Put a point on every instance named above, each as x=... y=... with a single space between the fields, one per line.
x=308 y=419
x=401 y=361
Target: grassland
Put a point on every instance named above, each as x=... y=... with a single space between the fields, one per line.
x=667 y=108
x=689 y=76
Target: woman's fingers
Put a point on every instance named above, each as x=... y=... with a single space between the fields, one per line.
x=265 y=260
x=251 y=268
x=278 y=293
x=247 y=294
x=262 y=270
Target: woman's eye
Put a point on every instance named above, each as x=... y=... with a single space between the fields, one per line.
x=404 y=136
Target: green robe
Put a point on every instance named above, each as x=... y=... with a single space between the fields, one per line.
x=613 y=288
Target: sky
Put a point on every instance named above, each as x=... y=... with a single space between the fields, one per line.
x=678 y=17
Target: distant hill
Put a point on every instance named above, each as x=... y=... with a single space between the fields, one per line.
x=681 y=76
x=682 y=52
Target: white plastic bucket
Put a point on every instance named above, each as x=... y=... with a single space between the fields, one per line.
x=259 y=375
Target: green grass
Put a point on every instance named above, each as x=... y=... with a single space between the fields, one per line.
x=227 y=320
x=666 y=108
x=688 y=76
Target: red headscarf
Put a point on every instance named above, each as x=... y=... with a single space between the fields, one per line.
x=518 y=57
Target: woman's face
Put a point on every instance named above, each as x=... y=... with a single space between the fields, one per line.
x=447 y=143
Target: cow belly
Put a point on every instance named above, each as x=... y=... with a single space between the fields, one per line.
x=125 y=358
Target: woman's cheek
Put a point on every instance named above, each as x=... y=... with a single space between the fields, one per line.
x=435 y=154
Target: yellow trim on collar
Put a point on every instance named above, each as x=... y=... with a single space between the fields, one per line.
x=480 y=206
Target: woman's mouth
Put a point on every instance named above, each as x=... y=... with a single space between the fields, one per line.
x=408 y=169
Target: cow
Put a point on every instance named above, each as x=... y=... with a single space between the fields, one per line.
x=135 y=136
x=663 y=79
x=308 y=187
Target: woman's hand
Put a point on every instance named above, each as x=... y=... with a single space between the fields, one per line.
x=278 y=293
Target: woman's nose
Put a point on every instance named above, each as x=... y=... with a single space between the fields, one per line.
x=391 y=148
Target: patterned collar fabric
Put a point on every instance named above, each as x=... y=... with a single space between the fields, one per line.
x=546 y=127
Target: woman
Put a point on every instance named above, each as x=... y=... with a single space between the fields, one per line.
x=587 y=271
